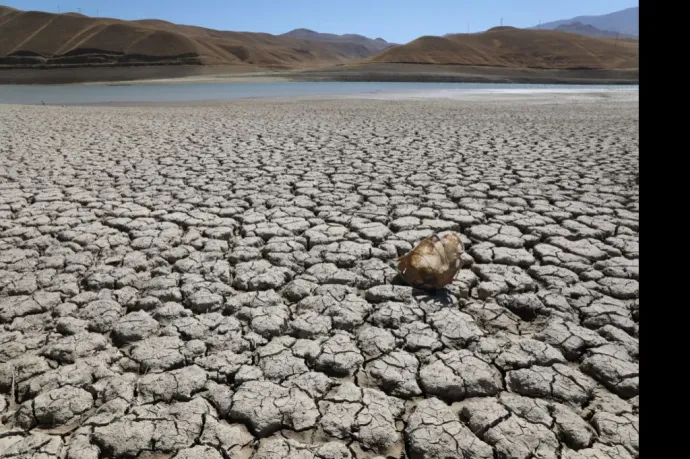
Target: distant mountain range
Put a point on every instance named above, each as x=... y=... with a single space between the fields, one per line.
x=625 y=21
x=591 y=31
x=34 y=39
x=374 y=45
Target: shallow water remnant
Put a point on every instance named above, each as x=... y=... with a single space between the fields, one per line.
x=434 y=262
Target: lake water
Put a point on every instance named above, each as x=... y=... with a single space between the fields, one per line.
x=183 y=92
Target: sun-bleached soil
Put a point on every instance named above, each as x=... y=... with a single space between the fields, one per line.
x=219 y=281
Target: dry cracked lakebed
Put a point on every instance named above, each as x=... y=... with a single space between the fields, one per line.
x=219 y=281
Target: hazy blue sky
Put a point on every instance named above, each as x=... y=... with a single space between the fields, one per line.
x=394 y=20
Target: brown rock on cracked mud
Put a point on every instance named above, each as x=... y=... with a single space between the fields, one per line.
x=434 y=262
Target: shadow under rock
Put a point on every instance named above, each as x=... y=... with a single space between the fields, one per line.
x=442 y=297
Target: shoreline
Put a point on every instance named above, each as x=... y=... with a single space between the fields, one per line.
x=542 y=95
x=546 y=96
x=403 y=73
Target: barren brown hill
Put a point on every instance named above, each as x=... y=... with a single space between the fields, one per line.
x=511 y=47
x=38 y=39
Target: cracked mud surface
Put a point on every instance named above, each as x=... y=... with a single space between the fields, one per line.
x=219 y=282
